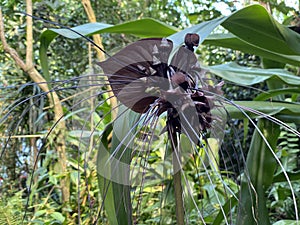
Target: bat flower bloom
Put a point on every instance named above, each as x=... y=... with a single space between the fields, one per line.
x=146 y=77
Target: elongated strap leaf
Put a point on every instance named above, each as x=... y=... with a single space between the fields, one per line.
x=249 y=76
x=234 y=42
x=287 y=112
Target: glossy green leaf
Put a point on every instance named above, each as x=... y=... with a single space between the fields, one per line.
x=45 y=40
x=76 y=32
x=113 y=166
x=256 y=26
x=287 y=112
x=254 y=30
x=273 y=93
x=249 y=76
x=142 y=28
x=271 y=64
x=231 y=41
x=155 y=28
x=122 y=143
x=203 y=29
x=104 y=184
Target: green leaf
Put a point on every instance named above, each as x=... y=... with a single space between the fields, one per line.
x=45 y=39
x=74 y=177
x=142 y=28
x=231 y=41
x=122 y=143
x=155 y=28
x=293 y=176
x=227 y=207
x=105 y=185
x=203 y=29
x=261 y=166
x=81 y=30
x=58 y=216
x=287 y=112
x=40 y=212
x=269 y=64
x=213 y=153
x=276 y=92
x=249 y=76
x=253 y=30
x=113 y=166
x=256 y=26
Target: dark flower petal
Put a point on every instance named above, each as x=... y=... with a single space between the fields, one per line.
x=191 y=40
x=144 y=58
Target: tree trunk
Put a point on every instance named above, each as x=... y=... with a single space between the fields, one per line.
x=100 y=55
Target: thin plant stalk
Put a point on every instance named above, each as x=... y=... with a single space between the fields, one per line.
x=177 y=176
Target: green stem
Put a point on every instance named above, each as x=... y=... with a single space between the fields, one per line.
x=177 y=176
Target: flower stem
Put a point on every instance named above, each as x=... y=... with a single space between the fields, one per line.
x=177 y=176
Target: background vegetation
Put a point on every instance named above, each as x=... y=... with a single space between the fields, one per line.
x=59 y=165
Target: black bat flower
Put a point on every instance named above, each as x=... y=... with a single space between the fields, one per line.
x=144 y=76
